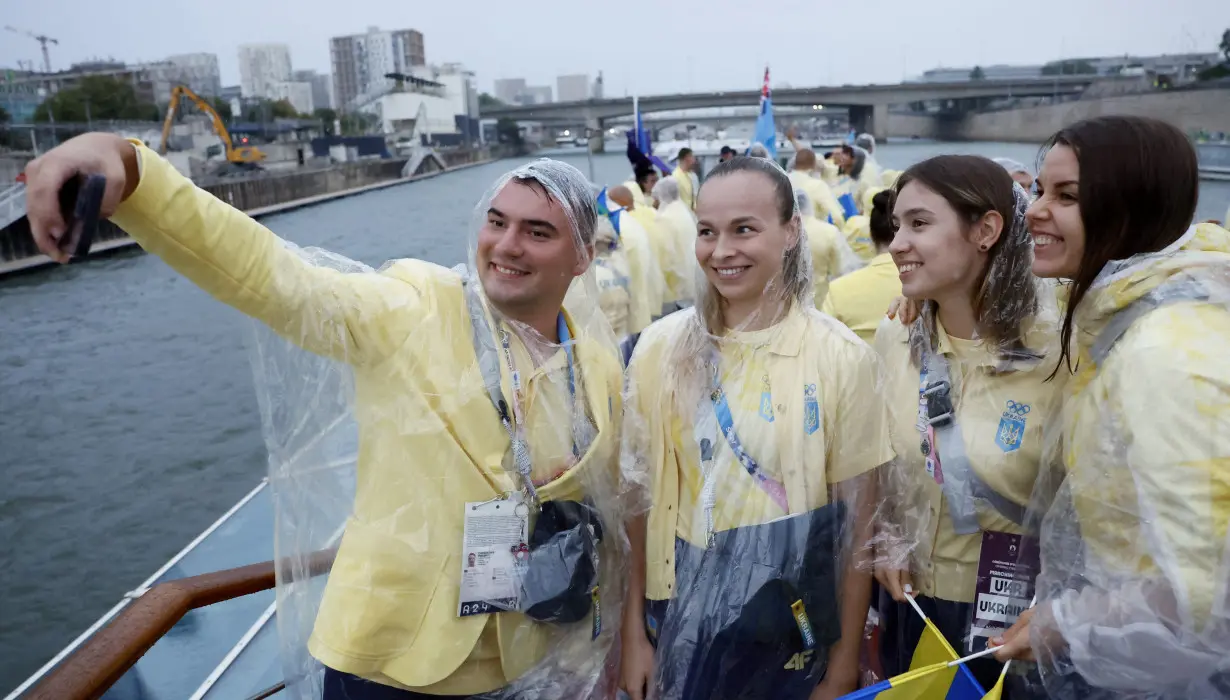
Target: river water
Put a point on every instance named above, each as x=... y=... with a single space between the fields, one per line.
x=128 y=419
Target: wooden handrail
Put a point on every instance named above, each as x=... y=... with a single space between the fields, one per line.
x=93 y=668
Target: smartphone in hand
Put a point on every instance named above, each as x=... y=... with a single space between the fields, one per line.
x=80 y=205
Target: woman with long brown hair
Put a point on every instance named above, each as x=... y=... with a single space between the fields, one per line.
x=968 y=400
x=1132 y=510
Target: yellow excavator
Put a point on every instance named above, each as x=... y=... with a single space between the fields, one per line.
x=247 y=157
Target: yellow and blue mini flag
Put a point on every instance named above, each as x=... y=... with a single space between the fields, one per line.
x=930 y=677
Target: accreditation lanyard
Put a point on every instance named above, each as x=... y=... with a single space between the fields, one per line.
x=721 y=410
x=934 y=409
x=941 y=435
x=515 y=425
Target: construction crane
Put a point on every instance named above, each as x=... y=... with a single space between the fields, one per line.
x=43 y=40
x=242 y=157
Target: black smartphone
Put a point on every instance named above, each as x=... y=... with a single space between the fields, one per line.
x=81 y=206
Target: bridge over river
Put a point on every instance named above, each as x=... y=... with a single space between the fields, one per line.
x=868 y=104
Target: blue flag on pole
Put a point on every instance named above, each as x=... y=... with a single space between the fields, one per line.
x=642 y=143
x=766 y=130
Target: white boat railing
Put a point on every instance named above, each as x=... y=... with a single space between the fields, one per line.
x=133 y=595
x=12 y=205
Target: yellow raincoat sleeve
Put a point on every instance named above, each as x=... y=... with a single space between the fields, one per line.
x=645 y=283
x=1167 y=389
x=358 y=318
x=861 y=440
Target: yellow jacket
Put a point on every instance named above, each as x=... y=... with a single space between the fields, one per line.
x=662 y=247
x=679 y=223
x=825 y=255
x=1136 y=556
x=430 y=440
x=1001 y=410
x=639 y=197
x=686 y=192
x=804 y=352
x=821 y=196
x=647 y=286
x=860 y=299
x=858 y=235
x=613 y=280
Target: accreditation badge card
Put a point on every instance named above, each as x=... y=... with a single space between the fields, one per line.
x=494 y=553
x=1005 y=586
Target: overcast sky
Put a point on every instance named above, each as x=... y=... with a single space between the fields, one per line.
x=679 y=46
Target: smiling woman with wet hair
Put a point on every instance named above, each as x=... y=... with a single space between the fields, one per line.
x=967 y=396
x=760 y=425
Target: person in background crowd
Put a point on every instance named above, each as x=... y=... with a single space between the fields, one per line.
x=646 y=284
x=824 y=205
x=645 y=176
x=754 y=358
x=614 y=280
x=679 y=223
x=1133 y=506
x=825 y=244
x=860 y=298
x=871 y=167
x=857 y=230
x=726 y=154
x=660 y=246
x=803 y=176
x=684 y=174
x=852 y=186
x=1018 y=171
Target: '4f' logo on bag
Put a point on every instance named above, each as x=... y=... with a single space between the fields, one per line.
x=1011 y=430
x=799 y=661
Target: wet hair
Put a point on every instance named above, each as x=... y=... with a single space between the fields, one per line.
x=880 y=219
x=667 y=190
x=1005 y=295
x=684 y=153
x=1139 y=182
x=581 y=209
x=795 y=282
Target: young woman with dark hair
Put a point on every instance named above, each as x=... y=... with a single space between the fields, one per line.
x=968 y=398
x=1132 y=507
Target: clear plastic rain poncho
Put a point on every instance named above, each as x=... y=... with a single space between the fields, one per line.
x=968 y=420
x=761 y=444
x=679 y=223
x=871 y=167
x=831 y=254
x=463 y=467
x=613 y=276
x=1133 y=503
